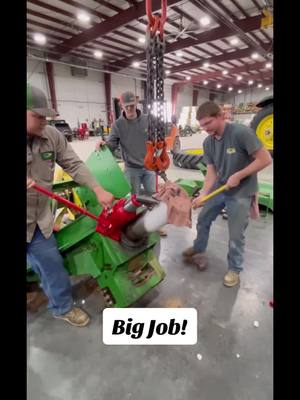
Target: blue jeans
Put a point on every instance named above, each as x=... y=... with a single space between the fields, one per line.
x=47 y=262
x=238 y=211
x=141 y=176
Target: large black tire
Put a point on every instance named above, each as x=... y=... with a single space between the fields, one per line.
x=188 y=161
x=263 y=113
x=176 y=145
x=117 y=154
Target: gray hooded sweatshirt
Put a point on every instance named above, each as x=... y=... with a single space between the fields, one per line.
x=132 y=137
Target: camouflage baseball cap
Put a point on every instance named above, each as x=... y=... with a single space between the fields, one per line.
x=37 y=102
x=127 y=98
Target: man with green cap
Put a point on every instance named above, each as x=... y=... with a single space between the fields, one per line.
x=45 y=147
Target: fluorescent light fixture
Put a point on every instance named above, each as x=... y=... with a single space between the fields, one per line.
x=206 y=64
x=239 y=78
x=205 y=82
x=254 y=56
x=250 y=83
x=142 y=39
x=167 y=71
x=269 y=65
x=259 y=85
x=240 y=91
x=98 y=54
x=230 y=89
x=267 y=88
x=83 y=16
x=39 y=38
x=205 y=21
x=225 y=72
x=219 y=86
x=234 y=41
x=179 y=54
x=135 y=64
x=188 y=78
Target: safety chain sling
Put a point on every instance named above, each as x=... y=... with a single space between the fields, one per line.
x=156 y=158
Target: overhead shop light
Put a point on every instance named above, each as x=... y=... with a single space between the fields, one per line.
x=83 y=16
x=98 y=54
x=234 y=41
x=39 y=38
x=205 y=21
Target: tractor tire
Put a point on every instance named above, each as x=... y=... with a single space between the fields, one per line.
x=176 y=145
x=185 y=160
x=262 y=124
x=117 y=154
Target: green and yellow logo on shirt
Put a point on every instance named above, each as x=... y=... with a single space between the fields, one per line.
x=230 y=150
x=47 y=155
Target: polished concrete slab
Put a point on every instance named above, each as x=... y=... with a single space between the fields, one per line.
x=67 y=363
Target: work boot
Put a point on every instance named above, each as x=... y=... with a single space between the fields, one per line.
x=76 y=316
x=189 y=252
x=231 y=279
x=199 y=260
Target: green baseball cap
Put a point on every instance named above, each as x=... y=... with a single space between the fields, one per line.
x=37 y=102
x=127 y=98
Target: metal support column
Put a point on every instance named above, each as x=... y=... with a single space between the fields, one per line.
x=174 y=94
x=195 y=97
x=50 y=76
x=107 y=83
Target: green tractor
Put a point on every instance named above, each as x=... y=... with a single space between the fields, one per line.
x=262 y=123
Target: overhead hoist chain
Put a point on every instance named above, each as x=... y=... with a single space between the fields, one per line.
x=156 y=158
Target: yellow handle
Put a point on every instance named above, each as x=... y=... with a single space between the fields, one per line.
x=212 y=194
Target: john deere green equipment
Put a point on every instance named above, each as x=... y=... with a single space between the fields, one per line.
x=193 y=187
x=115 y=247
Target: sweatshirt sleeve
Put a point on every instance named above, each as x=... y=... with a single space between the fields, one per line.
x=113 y=138
x=73 y=165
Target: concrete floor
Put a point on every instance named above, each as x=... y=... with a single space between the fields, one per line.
x=71 y=363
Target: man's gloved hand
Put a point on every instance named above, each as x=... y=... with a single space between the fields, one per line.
x=105 y=198
x=100 y=144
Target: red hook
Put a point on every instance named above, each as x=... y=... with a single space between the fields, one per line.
x=155 y=22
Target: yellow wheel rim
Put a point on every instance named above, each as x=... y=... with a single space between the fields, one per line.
x=193 y=151
x=264 y=131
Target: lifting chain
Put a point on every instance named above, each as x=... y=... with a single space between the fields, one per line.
x=156 y=158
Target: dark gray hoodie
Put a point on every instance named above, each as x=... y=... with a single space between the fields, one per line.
x=132 y=137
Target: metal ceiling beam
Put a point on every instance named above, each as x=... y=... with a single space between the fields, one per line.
x=257 y=5
x=236 y=70
x=110 y=24
x=267 y=77
x=214 y=60
x=49 y=35
x=108 y=5
x=247 y=25
x=225 y=10
x=52 y=8
x=52 y=19
x=49 y=27
x=85 y=8
x=223 y=21
x=239 y=7
x=132 y=3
